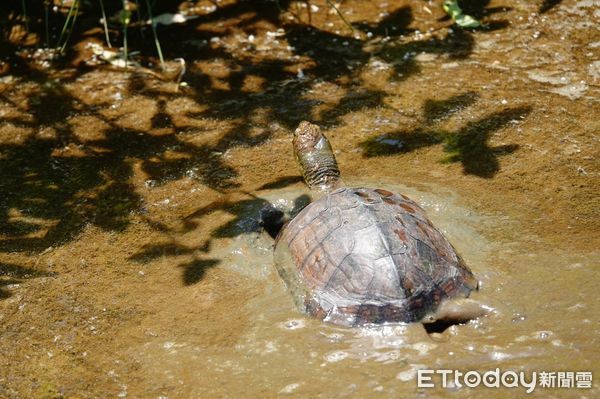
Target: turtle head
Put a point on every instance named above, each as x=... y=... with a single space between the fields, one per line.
x=315 y=157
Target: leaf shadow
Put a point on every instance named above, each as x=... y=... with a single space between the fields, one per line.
x=548 y=5
x=54 y=186
x=195 y=270
x=15 y=274
x=254 y=215
x=468 y=145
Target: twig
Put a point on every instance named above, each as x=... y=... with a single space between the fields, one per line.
x=337 y=10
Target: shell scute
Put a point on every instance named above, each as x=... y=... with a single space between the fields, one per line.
x=366 y=255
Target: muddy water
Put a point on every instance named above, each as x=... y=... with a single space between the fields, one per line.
x=132 y=263
x=283 y=352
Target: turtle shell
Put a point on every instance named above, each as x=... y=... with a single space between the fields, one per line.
x=362 y=255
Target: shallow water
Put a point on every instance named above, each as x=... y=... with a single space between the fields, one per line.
x=132 y=262
x=284 y=352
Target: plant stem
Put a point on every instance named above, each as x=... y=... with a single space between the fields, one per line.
x=46 y=24
x=125 y=16
x=105 y=24
x=71 y=16
x=76 y=3
x=158 y=49
x=25 y=16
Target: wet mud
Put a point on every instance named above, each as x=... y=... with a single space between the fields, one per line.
x=132 y=258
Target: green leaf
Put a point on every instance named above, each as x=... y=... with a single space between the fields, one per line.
x=455 y=12
x=125 y=17
x=467 y=21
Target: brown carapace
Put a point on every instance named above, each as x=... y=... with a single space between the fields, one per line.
x=359 y=255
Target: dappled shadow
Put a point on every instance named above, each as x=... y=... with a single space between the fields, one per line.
x=280 y=96
x=548 y=5
x=325 y=56
x=53 y=186
x=57 y=180
x=149 y=253
x=352 y=101
x=468 y=145
x=281 y=182
x=15 y=274
x=194 y=271
x=251 y=216
x=394 y=24
x=439 y=110
x=400 y=142
x=479 y=10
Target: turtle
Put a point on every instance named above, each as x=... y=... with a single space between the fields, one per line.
x=359 y=256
